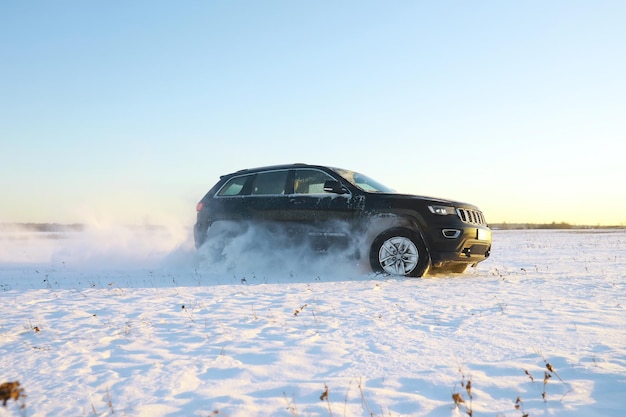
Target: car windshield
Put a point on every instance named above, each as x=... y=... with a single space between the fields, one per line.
x=363 y=182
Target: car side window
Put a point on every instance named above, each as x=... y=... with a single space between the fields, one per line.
x=270 y=183
x=234 y=186
x=310 y=181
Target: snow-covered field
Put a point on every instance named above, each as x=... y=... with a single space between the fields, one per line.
x=136 y=323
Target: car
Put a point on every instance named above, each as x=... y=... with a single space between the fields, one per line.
x=400 y=234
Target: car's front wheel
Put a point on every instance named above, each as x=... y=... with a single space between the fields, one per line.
x=399 y=251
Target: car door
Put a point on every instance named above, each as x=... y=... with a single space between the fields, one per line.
x=267 y=199
x=323 y=214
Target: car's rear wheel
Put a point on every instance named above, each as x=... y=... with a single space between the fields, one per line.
x=399 y=251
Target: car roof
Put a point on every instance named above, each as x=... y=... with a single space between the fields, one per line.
x=273 y=167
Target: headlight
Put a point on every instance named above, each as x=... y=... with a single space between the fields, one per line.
x=442 y=210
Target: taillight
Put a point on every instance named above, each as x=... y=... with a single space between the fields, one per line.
x=199 y=206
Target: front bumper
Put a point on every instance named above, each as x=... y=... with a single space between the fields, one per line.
x=470 y=245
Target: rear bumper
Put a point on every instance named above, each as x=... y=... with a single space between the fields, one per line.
x=199 y=234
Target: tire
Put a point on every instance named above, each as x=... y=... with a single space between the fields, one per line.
x=399 y=251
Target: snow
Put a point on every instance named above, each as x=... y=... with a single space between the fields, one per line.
x=136 y=323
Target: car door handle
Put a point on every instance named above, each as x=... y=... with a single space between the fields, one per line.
x=296 y=201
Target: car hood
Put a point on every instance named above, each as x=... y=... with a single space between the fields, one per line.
x=433 y=200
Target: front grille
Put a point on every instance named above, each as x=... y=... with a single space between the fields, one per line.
x=471 y=216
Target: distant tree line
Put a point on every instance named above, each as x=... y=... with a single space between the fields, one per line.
x=65 y=228
x=543 y=226
x=42 y=227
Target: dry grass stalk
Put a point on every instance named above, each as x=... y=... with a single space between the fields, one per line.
x=324 y=396
x=11 y=391
x=459 y=402
x=519 y=405
x=364 y=402
x=456 y=397
x=291 y=407
x=109 y=402
x=298 y=311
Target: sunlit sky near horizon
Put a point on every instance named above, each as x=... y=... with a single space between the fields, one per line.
x=129 y=111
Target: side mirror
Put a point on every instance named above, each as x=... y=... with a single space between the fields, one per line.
x=335 y=187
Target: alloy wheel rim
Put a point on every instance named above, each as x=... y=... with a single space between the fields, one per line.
x=398 y=256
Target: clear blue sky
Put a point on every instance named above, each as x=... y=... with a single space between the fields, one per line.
x=128 y=111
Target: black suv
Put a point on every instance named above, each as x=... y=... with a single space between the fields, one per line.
x=400 y=234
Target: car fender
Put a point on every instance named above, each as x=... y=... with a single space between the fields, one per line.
x=378 y=223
